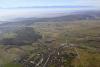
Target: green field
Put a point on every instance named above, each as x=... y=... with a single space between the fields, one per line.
x=85 y=35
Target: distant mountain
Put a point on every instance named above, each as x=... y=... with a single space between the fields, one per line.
x=3 y=22
x=20 y=22
x=66 y=6
x=84 y=15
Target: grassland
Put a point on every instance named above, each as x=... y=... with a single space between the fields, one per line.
x=85 y=35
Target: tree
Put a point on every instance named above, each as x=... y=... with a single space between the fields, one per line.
x=25 y=35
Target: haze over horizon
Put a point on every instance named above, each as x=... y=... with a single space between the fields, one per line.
x=43 y=8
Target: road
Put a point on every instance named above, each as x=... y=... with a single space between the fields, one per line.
x=51 y=56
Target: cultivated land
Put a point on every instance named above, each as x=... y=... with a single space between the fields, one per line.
x=56 y=44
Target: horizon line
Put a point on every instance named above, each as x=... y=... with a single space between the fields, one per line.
x=68 y=6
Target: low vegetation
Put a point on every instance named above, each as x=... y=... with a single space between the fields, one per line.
x=59 y=44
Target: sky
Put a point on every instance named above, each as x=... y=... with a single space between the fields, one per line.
x=32 y=3
x=47 y=8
